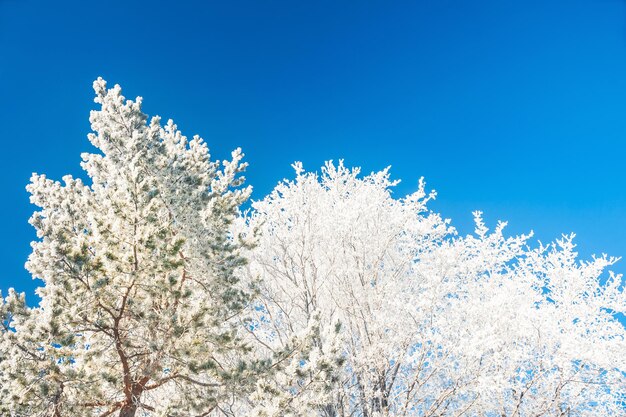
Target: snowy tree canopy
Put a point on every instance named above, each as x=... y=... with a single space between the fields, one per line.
x=139 y=293
x=330 y=297
x=431 y=323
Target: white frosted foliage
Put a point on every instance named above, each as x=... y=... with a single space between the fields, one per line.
x=140 y=297
x=330 y=297
x=430 y=323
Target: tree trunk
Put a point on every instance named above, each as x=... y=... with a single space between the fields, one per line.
x=128 y=410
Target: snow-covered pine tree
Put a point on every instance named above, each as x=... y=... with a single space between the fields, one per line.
x=140 y=296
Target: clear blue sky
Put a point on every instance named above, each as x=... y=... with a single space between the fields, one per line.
x=517 y=108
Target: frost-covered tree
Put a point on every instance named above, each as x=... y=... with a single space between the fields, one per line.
x=140 y=297
x=331 y=297
x=405 y=318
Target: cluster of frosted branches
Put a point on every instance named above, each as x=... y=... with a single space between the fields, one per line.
x=330 y=297
x=432 y=324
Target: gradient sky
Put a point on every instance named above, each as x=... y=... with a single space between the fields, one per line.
x=517 y=108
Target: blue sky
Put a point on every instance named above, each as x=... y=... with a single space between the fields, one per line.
x=517 y=108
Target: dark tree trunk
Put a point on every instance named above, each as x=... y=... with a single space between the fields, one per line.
x=133 y=394
x=128 y=410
